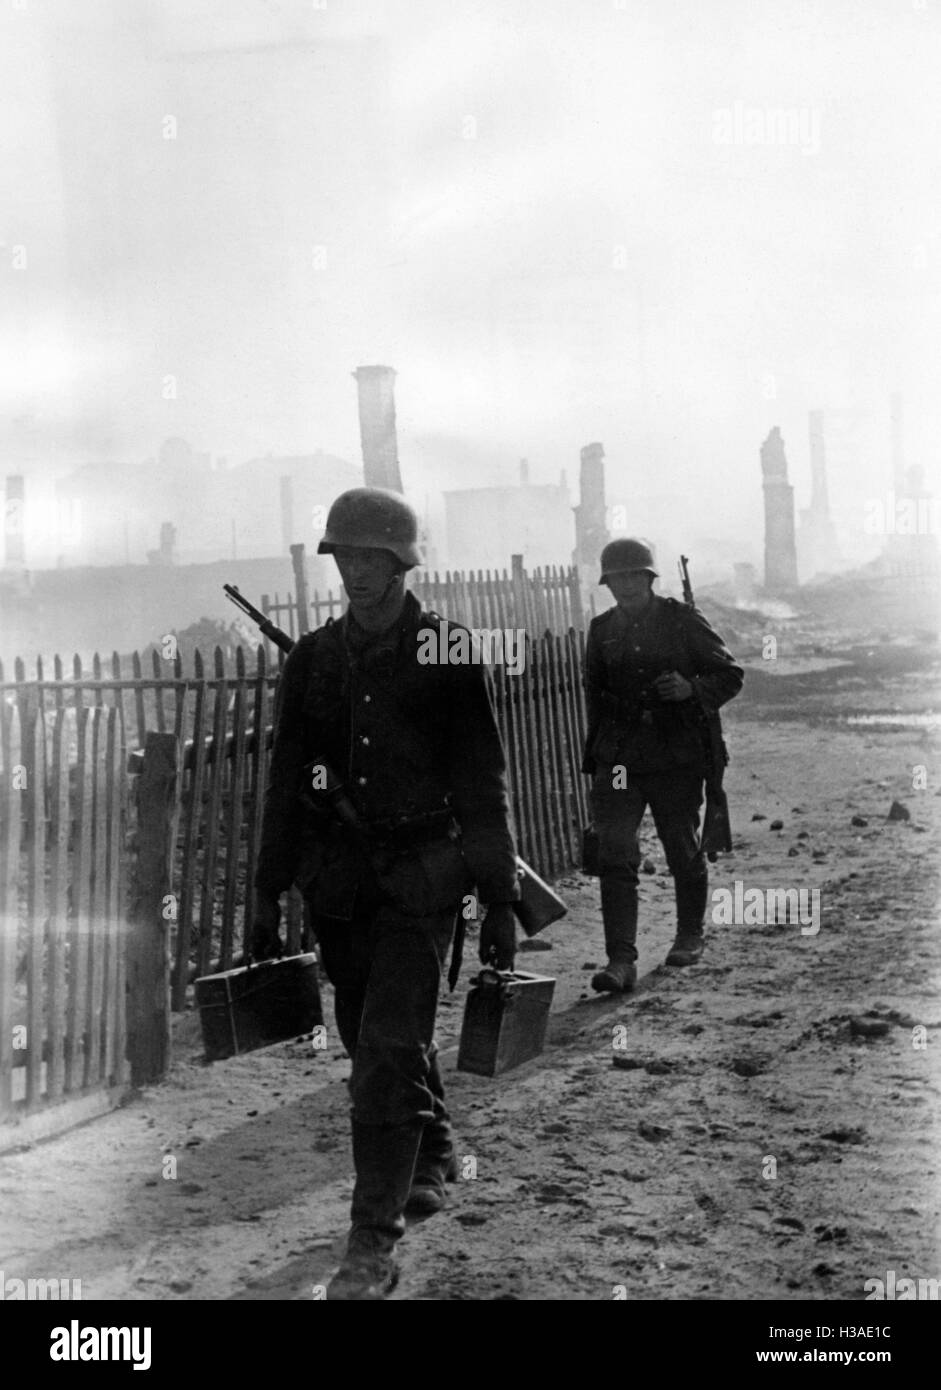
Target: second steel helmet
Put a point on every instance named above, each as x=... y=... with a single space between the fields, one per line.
x=626 y=557
x=373 y=518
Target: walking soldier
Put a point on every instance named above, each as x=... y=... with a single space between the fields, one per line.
x=656 y=674
x=386 y=804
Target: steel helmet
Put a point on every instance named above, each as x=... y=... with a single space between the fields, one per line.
x=373 y=518
x=626 y=557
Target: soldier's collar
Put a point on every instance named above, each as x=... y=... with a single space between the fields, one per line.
x=628 y=620
x=359 y=638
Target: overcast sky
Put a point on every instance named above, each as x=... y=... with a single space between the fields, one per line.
x=559 y=222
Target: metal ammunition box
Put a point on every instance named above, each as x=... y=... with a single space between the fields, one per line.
x=505 y=1020
x=256 y=1005
x=538 y=904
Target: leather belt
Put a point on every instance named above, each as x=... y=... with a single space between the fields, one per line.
x=408 y=830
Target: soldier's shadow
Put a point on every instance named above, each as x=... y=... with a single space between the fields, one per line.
x=304 y=1277
x=285 y=1156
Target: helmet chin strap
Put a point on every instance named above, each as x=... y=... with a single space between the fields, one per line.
x=397 y=580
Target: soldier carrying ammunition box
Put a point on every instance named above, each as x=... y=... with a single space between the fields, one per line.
x=656 y=673
x=387 y=803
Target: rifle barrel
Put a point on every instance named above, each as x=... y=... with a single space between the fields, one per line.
x=279 y=638
x=242 y=602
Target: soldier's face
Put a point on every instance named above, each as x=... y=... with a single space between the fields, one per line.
x=631 y=590
x=366 y=573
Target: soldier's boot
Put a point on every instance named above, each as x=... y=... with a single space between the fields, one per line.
x=619 y=914
x=437 y=1162
x=384 y=1157
x=691 y=897
x=437 y=1165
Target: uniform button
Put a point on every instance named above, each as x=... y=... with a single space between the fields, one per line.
x=367 y=699
x=364 y=739
x=361 y=781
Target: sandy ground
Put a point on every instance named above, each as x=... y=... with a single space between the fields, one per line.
x=727 y=1132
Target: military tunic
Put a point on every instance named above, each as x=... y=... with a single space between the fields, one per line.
x=411 y=741
x=657 y=746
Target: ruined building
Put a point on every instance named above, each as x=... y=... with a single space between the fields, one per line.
x=745 y=581
x=166 y=554
x=780 y=550
x=591 y=527
x=817 y=538
x=376 y=387
x=909 y=512
x=486 y=526
x=908 y=517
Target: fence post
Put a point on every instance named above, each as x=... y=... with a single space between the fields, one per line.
x=148 y=953
x=575 y=590
x=301 y=596
x=12 y=744
x=518 y=584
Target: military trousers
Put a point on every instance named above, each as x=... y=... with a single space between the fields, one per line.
x=675 y=798
x=385 y=967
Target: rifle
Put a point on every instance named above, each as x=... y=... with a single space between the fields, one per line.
x=716 y=826
x=537 y=905
x=687 y=586
x=279 y=638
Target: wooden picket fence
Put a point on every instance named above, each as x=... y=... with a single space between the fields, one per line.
x=63 y=817
x=148 y=699
x=296 y=619
x=220 y=725
x=217 y=704
x=223 y=769
x=127 y=873
x=545 y=600
x=223 y=772
x=542 y=717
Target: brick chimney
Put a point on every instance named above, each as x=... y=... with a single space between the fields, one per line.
x=780 y=549
x=591 y=531
x=376 y=387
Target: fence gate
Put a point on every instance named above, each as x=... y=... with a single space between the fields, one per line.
x=63 y=938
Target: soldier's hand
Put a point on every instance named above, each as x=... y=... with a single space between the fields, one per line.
x=671 y=686
x=266 y=939
x=499 y=931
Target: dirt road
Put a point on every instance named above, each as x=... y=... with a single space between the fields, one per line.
x=763 y=1126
